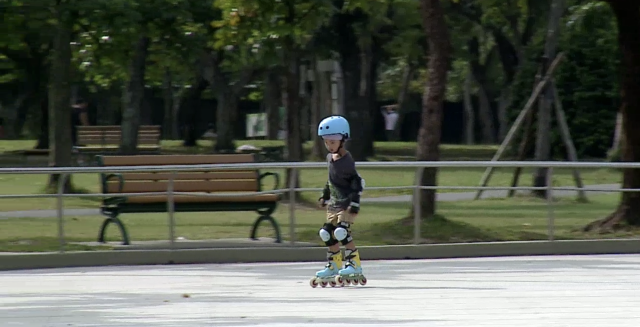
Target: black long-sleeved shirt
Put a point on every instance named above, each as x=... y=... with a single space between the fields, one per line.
x=345 y=185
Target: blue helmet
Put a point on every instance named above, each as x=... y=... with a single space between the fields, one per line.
x=334 y=125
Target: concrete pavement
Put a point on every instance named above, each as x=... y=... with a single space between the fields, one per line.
x=514 y=291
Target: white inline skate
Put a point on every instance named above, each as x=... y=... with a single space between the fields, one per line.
x=327 y=276
x=352 y=272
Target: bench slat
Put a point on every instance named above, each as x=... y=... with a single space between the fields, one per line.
x=208 y=175
x=241 y=185
x=151 y=160
x=115 y=133
x=100 y=128
x=115 y=140
x=202 y=199
x=115 y=148
x=117 y=136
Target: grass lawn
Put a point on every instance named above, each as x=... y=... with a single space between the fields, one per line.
x=310 y=178
x=467 y=221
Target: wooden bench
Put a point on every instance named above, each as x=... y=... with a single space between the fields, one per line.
x=104 y=139
x=207 y=181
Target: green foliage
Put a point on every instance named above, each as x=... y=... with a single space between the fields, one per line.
x=258 y=33
x=102 y=52
x=587 y=80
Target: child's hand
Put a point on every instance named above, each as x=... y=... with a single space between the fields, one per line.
x=353 y=211
x=321 y=203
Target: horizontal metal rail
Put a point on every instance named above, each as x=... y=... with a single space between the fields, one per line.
x=294 y=168
x=312 y=165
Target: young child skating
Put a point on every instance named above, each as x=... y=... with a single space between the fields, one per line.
x=341 y=196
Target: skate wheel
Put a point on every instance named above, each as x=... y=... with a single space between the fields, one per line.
x=323 y=284
x=333 y=283
x=313 y=282
x=363 y=281
x=354 y=281
x=339 y=280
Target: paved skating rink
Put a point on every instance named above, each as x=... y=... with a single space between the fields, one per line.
x=554 y=291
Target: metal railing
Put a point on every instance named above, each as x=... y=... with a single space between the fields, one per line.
x=294 y=168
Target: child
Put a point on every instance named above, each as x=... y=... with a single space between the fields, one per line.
x=341 y=196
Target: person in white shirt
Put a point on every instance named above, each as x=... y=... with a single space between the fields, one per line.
x=390 y=119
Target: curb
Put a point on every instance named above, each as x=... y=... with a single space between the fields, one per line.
x=17 y=261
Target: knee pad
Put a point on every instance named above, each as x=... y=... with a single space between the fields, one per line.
x=326 y=233
x=343 y=233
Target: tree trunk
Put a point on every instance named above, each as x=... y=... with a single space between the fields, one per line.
x=305 y=105
x=227 y=104
x=504 y=102
x=617 y=134
x=407 y=77
x=43 y=138
x=469 y=115
x=371 y=99
x=167 y=96
x=294 y=137
x=190 y=109
x=272 y=104
x=356 y=67
x=114 y=111
x=39 y=100
x=133 y=96
x=485 y=113
x=60 y=102
x=175 y=112
x=628 y=18
x=318 y=102
x=11 y=116
x=435 y=27
x=543 y=140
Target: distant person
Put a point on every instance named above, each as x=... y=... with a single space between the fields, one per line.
x=390 y=119
x=79 y=117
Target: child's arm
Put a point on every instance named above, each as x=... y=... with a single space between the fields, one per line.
x=357 y=186
x=326 y=195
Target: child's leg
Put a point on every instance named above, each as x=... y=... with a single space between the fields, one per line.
x=351 y=254
x=334 y=256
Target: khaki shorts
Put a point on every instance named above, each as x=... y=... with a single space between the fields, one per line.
x=336 y=217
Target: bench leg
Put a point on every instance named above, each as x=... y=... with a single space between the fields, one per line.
x=117 y=222
x=274 y=224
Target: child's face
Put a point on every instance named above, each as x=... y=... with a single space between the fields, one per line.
x=332 y=145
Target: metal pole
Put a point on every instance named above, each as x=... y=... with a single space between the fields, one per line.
x=60 y=208
x=550 y=216
x=170 y=210
x=417 y=212
x=293 y=177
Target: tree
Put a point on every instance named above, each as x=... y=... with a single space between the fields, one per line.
x=543 y=141
x=25 y=42
x=509 y=26
x=280 y=32
x=436 y=29
x=59 y=95
x=627 y=14
x=146 y=49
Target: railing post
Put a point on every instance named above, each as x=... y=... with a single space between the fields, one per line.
x=550 y=214
x=170 y=210
x=293 y=177
x=417 y=210
x=60 y=210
